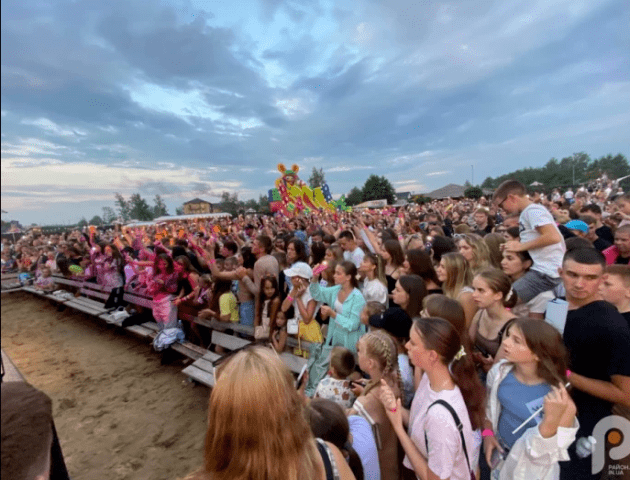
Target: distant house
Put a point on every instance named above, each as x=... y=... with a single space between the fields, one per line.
x=197 y=205
x=452 y=190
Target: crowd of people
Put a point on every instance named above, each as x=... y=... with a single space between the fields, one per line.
x=434 y=349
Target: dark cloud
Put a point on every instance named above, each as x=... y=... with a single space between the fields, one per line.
x=384 y=80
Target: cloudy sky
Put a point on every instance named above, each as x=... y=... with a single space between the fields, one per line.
x=191 y=98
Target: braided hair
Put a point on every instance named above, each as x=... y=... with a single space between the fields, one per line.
x=381 y=346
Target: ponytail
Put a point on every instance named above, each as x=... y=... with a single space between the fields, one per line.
x=466 y=378
x=440 y=335
x=329 y=422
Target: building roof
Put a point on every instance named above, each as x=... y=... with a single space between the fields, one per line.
x=196 y=201
x=452 y=190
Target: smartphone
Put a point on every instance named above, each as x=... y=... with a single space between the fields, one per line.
x=482 y=350
x=299 y=378
x=495 y=458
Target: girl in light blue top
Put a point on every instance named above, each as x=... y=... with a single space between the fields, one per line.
x=344 y=303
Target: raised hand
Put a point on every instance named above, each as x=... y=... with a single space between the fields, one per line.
x=556 y=402
x=392 y=405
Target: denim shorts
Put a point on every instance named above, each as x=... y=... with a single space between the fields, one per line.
x=533 y=283
x=246 y=312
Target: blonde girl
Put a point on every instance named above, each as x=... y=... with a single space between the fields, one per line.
x=474 y=250
x=456 y=277
x=259 y=429
x=374 y=287
x=494 y=297
x=378 y=357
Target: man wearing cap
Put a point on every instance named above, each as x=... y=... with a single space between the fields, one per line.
x=577 y=228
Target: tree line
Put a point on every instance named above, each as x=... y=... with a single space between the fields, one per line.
x=573 y=170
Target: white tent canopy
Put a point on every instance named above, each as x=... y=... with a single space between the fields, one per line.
x=192 y=216
x=177 y=218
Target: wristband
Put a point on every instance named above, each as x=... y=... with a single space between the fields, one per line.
x=569 y=372
x=289 y=297
x=212 y=261
x=487 y=433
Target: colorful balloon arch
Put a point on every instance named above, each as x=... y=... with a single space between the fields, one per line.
x=291 y=195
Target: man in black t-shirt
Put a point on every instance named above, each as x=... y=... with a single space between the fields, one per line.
x=598 y=340
x=603 y=231
x=622 y=242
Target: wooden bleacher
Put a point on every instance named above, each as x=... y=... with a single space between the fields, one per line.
x=10 y=282
x=91 y=299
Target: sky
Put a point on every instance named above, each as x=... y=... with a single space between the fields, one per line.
x=192 y=98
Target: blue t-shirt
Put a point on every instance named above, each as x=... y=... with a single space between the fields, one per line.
x=364 y=444
x=518 y=402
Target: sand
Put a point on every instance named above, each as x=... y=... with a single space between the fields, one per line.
x=119 y=413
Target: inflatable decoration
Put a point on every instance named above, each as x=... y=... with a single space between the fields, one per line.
x=76 y=269
x=292 y=195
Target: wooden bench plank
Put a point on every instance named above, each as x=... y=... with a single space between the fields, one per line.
x=199 y=375
x=137 y=329
x=184 y=349
x=136 y=300
x=83 y=304
x=67 y=281
x=228 y=341
x=82 y=308
x=90 y=303
x=293 y=343
x=10 y=290
x=294 y=362
x=204 y=364
x=92 y=293
x=211 y=356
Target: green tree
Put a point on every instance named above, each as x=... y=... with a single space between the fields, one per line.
x=561 y=173
x=421 y=199
x=262 y=206
x=108 y=215
x=473 y=192
x=96 y=220
x=139 y=208
x=229 y=203
x=354 y=197
x=124 y=209
x=378 y=188
x=82 y=223
x=179 y=211
x=159 y=207
x=253 y=204
x=317 y=178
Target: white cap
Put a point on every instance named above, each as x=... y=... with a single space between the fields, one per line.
x=299 y=269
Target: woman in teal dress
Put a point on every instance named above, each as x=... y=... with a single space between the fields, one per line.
x=344 y=303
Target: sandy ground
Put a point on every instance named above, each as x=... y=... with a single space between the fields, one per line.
x=118 y=412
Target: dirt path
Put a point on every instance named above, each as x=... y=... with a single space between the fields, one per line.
x=118 y=412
